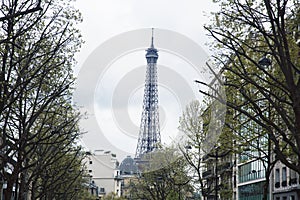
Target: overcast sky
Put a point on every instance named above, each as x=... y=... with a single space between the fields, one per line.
x=118 y=94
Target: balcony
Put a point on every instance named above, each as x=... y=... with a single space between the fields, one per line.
x=207 y=174
x=225 y=167
x=284 y=183
x=293 y=181
x=102 y=191
x=117 y=178
x=207 y=158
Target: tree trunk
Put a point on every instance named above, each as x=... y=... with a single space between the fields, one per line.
x=9 y=189
x=266 y=187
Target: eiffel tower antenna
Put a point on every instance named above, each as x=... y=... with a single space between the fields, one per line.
x=152 y=39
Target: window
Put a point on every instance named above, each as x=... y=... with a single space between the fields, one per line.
x=292 y=197
x=102 y=190
x=284 y=174
x=90 y=170
x=91 y=162
x=234 y=181
x=251 y=191
x=277 y=178
x=251 y=171
x=284 y=177
x=293 y=177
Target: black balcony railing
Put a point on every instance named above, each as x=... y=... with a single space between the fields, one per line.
x=225 y=166
x=207 y=174
x=293 y=181
x=284 y=183
x=207 y=158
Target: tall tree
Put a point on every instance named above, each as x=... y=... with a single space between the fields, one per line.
x=244 y=32
x=191 y=124
x=163 y=176
x=39 y=130
x=251 y=141
x=195 y=123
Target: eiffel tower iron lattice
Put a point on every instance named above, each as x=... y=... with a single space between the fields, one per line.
x=149 y=133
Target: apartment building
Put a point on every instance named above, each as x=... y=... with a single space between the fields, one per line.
x=286 y=183
x=102 y=169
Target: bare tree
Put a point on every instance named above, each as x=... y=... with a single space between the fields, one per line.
x=195 y=123
x=191 y=124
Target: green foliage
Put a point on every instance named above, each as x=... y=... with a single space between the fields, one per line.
x=38 y=121
x=163 y=177
x=265 y=99
x=195 y=122
x=112 y=196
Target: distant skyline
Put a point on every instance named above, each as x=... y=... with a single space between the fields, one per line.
x=105 y=19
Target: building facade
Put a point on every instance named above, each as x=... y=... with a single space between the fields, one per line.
x=286 y=183
x=102 y=169
x=218 y=175
x=251 y=178
x=128 y=174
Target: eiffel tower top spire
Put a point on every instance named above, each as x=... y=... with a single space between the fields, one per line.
x=152 y=39
x=151 y=54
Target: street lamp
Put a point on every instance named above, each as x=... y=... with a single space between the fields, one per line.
x=217 y=155
x=264 y=61
x=216 y=173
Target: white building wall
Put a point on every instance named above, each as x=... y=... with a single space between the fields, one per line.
x=285 y=183
x=101 y=166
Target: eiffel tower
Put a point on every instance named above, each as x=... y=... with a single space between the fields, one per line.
x=149 y=133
